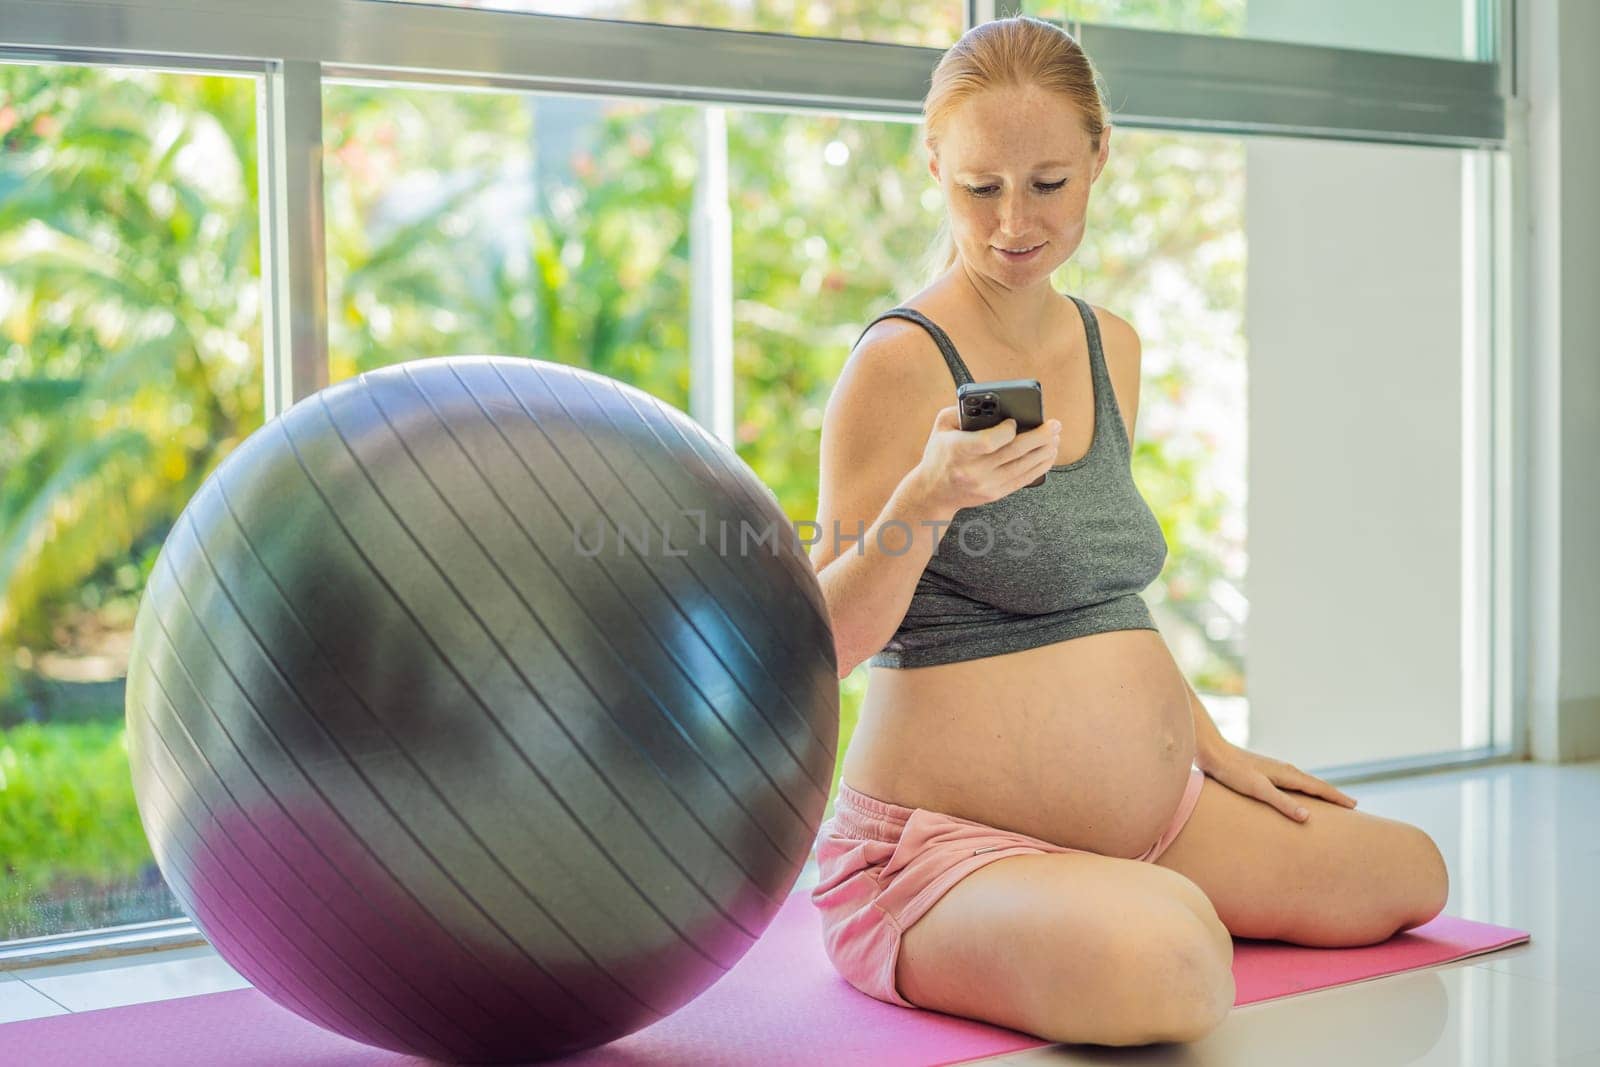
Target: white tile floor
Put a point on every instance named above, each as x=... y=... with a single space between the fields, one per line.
x=1522 y=842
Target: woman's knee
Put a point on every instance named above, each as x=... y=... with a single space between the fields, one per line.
x=1159 y=980
x=1195 y=994
x=1205 y=990
x=1195 y=899
x=1431 y=884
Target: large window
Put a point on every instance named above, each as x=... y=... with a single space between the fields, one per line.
x=130 y=364
x=1315 y=309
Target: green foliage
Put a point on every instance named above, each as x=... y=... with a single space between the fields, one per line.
x=821 y=248
x=597 y=277
x=130 y=343
x=68 y=815
x=129 y=348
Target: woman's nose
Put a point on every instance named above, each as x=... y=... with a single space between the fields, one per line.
x=1011 y=212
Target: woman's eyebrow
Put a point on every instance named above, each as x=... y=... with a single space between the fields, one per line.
x=989 y=173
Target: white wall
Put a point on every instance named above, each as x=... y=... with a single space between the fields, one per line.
x=1563 y=410
x=1353 y=317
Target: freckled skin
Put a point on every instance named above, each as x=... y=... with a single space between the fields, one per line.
x=996 y=142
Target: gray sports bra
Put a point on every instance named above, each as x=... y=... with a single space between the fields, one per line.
x=1061 y=560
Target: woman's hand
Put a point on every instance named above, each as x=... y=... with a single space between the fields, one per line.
x=966 y=468
x=1257 y=776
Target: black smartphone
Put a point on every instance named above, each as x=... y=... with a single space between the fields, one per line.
x=985 y=404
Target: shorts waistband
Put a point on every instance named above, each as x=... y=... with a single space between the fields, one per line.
x=864 y=807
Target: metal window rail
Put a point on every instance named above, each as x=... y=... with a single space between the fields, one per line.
x=1155 y=77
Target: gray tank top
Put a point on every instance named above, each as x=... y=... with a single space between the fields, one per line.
x=1061 y=560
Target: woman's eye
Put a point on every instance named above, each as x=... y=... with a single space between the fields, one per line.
x=988 y=190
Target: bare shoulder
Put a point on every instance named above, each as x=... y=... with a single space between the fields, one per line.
x=897 y=361
x=1119 y=339
x=1120 y=342
x=899 y=347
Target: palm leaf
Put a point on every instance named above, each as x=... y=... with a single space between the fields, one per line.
x=55 y=541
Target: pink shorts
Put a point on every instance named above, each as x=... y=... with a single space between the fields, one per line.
x=882 y=866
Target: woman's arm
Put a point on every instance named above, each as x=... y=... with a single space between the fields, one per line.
x=868 y=589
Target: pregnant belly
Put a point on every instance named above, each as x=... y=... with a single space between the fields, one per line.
x=1087 y=743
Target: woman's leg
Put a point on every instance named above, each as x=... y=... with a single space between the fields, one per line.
x=1340 y=879
x=1073 y=947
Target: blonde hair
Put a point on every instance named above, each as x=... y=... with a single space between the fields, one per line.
x=1012 y=52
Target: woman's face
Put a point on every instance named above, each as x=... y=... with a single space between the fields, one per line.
x=1015 y=165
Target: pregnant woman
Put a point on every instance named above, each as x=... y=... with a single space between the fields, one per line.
x=1038 y=825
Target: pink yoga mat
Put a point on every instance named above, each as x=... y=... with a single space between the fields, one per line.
x=782 y=1004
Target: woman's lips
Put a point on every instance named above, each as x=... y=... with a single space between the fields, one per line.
x=1015 y=257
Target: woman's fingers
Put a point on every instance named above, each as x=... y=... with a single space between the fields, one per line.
x=1025 y=444
x=1027 y=467
x=1271 y=795
x=1311 y=785
x=1027 y=455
